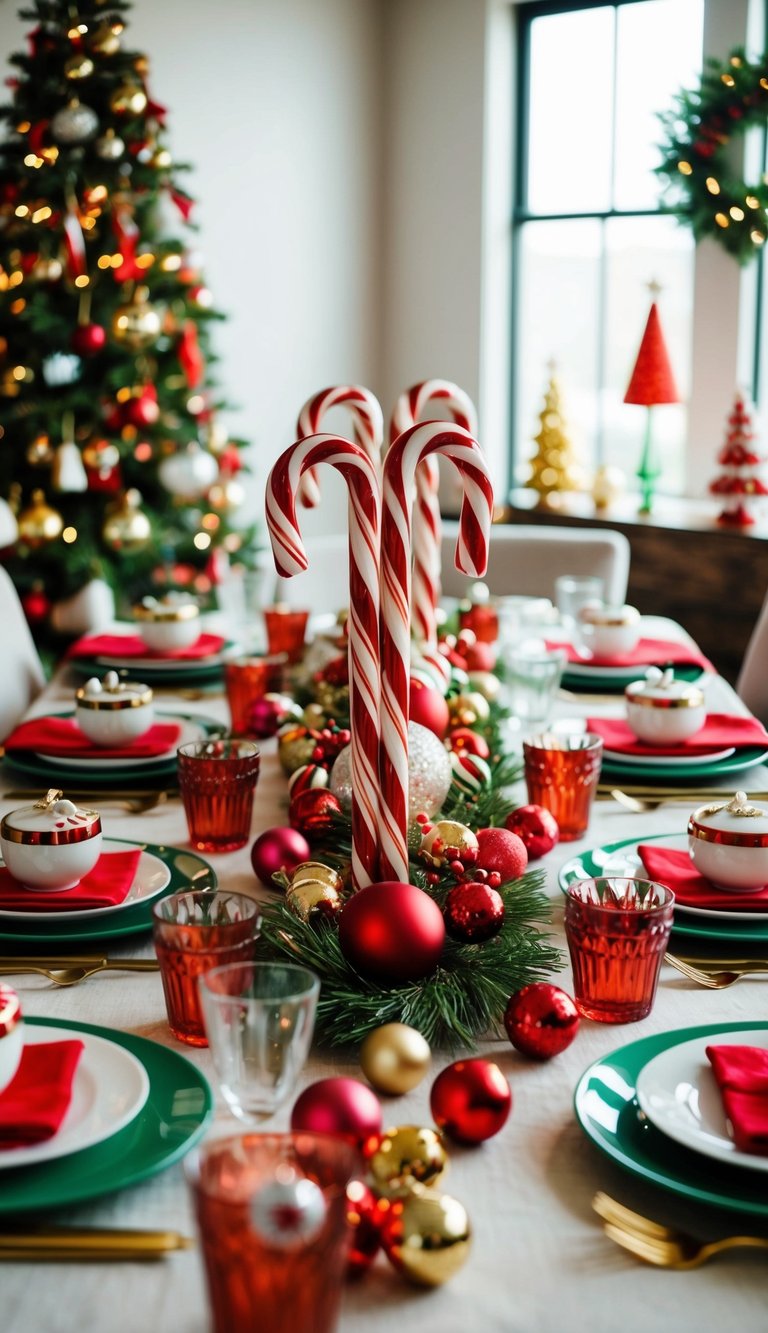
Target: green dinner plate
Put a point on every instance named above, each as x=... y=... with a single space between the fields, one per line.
x=596 y=681
x=746 y=757
x=188 y=871
x=606 y=1108
x=174 y=1117
x=597 y=861
x=192 y=672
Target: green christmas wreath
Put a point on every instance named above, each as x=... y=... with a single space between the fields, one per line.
x=732 y=98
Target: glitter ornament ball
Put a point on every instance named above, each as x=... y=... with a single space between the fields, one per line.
x=426 y=1236
x=536 y=826
x=541 y=1020
x=471 y=1100
x=427 y=707
x=313 y=813
x=295 y=747
x=395 y=1058
x=392 y=932
x=503 y=852
x=342 y=1106
x=278 y=849
x=473 y=913
x=429 y=773
x=403 y=1157
x=268 y=714
x=74 y=124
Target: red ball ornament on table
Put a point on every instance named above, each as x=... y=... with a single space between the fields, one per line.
x=471 y=1100
x=536 y=826
x=541 y=1020
x=278 y=849
x=428 y=707
x=341 y=1106
x=392 y=932
x=313 y=812
x=503 y=852
x=89 y=339
x=473 y=913
x=480 y=656
x=470 y=742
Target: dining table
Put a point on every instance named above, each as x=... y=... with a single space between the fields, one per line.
x=540 y=1260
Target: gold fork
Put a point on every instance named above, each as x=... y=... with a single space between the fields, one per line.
x=717 y=979
x=663 y=1246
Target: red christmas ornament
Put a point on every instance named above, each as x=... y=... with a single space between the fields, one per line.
x=363 y=1220
x=480 y=656
x=309 y=777
x=336 y=672
x=541 y=1020
x=427 y=706
x=143 y=409
x=471 y=742
x=278 y=849
x=36 y=606
x=471 y=1100
x=392 y=932
x=270 y=713
x=536 y=827
x=473 y=912
x=88 y=339
x=312 y=813
x=341 y=1106
x=502 y=851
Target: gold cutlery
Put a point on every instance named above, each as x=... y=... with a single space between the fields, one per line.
x=90 y=1244
x=136 y=802
x=642 y=799
x=70 y=970
x=717 y=977
x=662 y=1246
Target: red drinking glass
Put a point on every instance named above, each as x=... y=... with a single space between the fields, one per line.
x=617 y=931
x=272 y=1217
x=217 y=781
x=562 y=773
x=286 y=630
x=193 y=933
x=247 y=680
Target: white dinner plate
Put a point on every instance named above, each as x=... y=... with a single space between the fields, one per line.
x=190 y=731
x=587 y=668
x=136 y=664
x=678 y=1092
x=626 y=864
x=108 y=1091
x=669 y=760
x=152 y=876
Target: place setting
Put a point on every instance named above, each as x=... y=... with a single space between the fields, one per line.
x=168 y=644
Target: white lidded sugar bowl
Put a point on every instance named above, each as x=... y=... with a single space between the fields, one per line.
x=52 y=844
x=608 y=631
x=11 y=1034
x=168 y=623
x=114 y=711
x=728 y=844
x=662 y=710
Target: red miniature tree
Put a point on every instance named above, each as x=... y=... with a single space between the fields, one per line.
x=739 y=481
x=652 y=382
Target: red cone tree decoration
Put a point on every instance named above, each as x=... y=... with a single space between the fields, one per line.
x=739 y=482
x=652 y=382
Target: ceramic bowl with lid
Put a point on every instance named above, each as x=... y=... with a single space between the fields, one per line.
x=11 y=1034
x=728 y=844
x=608 y=631
x=662 y=710
x=50 y=845
x=114 y=711
x=168 y=623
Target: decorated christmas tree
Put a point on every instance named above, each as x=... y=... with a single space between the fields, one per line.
x=739 y=482
x=652 y=382
x=113 y=460
x=553 y=468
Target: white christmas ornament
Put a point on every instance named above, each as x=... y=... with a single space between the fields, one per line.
x=188 y=473
x=60 y=369
x=91 y=608
x=74 y=124
x=68 y=472
x=429 y=773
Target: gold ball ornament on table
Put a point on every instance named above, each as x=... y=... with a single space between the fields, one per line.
x=404 y=1157
x=39 y=524
x=447 y=841
x=137 y=324
x=485 y=683
x=295 y=747
x=314 y=892
x=466 y=710
x=129 y=99
x=311 y=872
x=125 y=527
x=426 y=1236
x=395 y=1058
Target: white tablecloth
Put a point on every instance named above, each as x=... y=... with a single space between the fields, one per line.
x=540 y=1262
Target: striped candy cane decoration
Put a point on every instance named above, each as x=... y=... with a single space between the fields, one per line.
x=411 y=407
x=367 y=423
x=290 y=558
x=404 y=457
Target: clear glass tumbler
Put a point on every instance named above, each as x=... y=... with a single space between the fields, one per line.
x=532 y=677
x=573 y=591
x=617 y=931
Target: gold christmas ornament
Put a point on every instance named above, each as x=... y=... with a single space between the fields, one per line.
x=106 y=39
x=447 y=841
x=407 y=1156
x=294 y=748
x=466 y=710
x=39 y=451
x=125 y=527
x=314 y=716
x=109 y=146
x=101 y=455
x=137 y=323
x=427 y=1236
x=316 y=872
x=226 y=494
x=312 y=900
x=129 y=99
x=39 y=524
x=395 y=1058
x=79 y=66
x=332 y=700
x=485 y=683
x=161 y=159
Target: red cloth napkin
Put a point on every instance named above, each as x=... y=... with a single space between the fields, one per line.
x=742 y=1077
x=647 y=652
x=36 y=1100
x=61 y=736
x=719 y=731
x=104 y=886
x=132 y=645
x=677 y=871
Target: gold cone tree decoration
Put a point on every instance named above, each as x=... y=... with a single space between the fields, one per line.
x=553 y=468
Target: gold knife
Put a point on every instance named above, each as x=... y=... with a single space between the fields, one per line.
x=80 y=960
x=90 y=1244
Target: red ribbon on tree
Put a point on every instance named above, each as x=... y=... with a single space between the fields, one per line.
x=127 y=235
x=184 y=202
x=155 y=110
x=36 y=135
x=190 y=356
x=74 y=243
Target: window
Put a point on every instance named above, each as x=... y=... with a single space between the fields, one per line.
x=590 y=231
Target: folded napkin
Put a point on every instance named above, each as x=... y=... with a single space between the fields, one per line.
x=104 y=886
x=61 y=736
x=647 y=652
x=719 y=732
x=677 y=871
x=132 y=645
x=742 y=1077
x=36 y=1100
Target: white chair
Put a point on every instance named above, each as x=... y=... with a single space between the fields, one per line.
x=21 y=672
x=324 y=585
x=752 y=682
x=525 y=560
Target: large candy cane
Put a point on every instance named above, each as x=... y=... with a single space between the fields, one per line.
x=290 y=558
x=411 y=407
x=404 y=457
x=367 y=424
